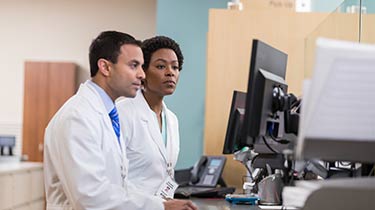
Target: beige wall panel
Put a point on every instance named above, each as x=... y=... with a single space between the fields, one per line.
x=230 y=36
x=368 y=28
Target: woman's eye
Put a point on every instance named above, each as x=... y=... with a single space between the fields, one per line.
x=160 y=67
x=176 y=68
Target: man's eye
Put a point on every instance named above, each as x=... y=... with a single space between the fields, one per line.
x=134 y=65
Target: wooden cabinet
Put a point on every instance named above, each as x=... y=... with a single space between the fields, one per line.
x=47 y=85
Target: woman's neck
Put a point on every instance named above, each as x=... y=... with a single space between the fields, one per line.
x=155 y=102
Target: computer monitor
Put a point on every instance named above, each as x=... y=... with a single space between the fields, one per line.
x=236 y=115
x=263 y=125
x=338 y=111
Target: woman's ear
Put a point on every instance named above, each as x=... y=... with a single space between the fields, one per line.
x=103 y=66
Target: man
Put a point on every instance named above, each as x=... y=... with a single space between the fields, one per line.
x=85 y=165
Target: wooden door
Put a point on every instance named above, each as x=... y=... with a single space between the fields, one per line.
x=47 y=85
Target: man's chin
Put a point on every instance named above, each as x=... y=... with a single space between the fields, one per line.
x=131 y=94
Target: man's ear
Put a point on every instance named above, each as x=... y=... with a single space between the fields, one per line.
x=103 y=66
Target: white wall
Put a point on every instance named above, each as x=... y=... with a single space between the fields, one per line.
x=58 y=30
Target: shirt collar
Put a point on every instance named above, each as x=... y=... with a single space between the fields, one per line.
x=108 y=103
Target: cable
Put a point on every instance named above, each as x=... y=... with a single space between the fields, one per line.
x=268 y=146
x=255 y=157
x=244 y=178
x=248 y=169
x=292 y=170
x=372 y=171
x=280 y=141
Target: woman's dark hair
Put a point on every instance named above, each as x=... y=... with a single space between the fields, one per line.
x=149 y=46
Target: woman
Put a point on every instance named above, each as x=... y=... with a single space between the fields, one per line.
x=150 y=129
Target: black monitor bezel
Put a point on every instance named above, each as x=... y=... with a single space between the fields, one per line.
x=270 y=59
x=234 y=125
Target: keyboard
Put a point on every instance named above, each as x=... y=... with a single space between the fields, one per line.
x=203 y=192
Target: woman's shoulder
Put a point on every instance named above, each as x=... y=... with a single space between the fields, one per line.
x=130 y=107
x=123 y=103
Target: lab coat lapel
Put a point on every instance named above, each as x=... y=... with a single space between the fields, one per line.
x=156 y=136
x=152 y=124
x=172 y=148
x=90 y=93
x=108 y=125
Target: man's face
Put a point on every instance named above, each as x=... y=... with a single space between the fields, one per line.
x=163 y=72
x=126 y=75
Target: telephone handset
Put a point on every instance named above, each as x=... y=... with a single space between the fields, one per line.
x=202 y=179
x=207 y=171
x=197 y=170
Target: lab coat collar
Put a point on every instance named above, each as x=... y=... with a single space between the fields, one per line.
x=88 y=91
x=152 y=125
x=107 y=101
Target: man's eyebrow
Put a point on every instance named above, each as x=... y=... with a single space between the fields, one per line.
x=135 y=61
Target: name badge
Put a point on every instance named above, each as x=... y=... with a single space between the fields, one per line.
x=167 y=188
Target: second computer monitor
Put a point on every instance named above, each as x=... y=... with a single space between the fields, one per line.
x=237 y=111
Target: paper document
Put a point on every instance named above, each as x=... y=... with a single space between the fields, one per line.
x=345 y=107
x=340 y=102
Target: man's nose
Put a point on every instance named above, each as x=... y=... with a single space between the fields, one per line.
x=140 y=73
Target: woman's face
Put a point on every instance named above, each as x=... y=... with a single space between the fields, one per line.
x=163 y=72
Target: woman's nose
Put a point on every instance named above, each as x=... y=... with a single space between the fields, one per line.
x=170 y=71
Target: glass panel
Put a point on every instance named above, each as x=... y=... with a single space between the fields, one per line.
x=343 y=23
x=368 y=22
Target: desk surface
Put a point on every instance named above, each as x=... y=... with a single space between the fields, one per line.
x=19 y=166
x=220 y=204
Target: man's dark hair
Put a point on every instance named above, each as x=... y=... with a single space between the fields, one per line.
x=149 y=46
x=108 y=45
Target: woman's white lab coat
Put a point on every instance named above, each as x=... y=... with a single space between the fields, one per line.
x=147 y=154
x=84 y=167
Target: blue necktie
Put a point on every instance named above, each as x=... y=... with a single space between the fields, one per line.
x=115 y=123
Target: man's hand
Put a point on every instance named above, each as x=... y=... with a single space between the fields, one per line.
x=175 y=204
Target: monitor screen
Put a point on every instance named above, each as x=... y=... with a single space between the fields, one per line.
x=262 y=126
x=236 y=116
x=7 y=141
x=338 y=117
